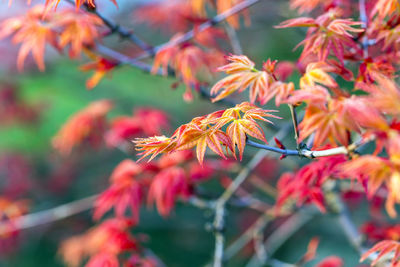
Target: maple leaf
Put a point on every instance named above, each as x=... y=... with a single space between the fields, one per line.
x=14 y=108
x=243 y=75
x=237 y=131
x=305 y=5
x=125 y=191
x=202 y=139
x=206 y=131
x=378 y=232
x=384 y=95
x=171 y=16
x=316 y=95
x=101 y=67
x=103 y=259
x=147 y=121
x=317 y=73
x=326 y=34
x=191 y=64
x=86 y=125
x=199 y=6
x=155 y=145
x=75 y=29
x=241 y=126
x=33 y=32
x=10 y=211
x=385 y=249
x=166 y=187
x=331 y=261
x=378 y=171
x=330 y=123
x=102 y=243
x=305 y=186
x=210 y=37
x=199 y=133
x=284 y=70
x=390 y=37
x=371 y=68
x=122 y=129
x=311 y=251
x=385 y=8
x=364 y=113
x=52 y=4
x=280 y=90
x=79 y=29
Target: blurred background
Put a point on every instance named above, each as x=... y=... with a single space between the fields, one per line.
x=41 y=102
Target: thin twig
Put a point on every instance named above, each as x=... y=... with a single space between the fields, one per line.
x=246 y=237
x=259 y=246
x=284 y=232
x=202 y=27
x=47 y=216
x=295 y=124
x=233 y=38
x=219 y=220
x=349 y=228
x=263 y=186
x=126 y=60
x=342 y=150
x=219 y=225
x=249 y=167
x=148 y=252
x=364 y=19
x=310 y=140
x=115 y=28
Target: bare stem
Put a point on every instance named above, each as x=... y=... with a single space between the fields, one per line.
x=364 y=19
x=342 y=150
x=204 y=26
x=349 y=228
x=233 y=38
x=115 y=28
x=47 y=216
x=284 y=232
x=246 y=237
x=246 y=171
x=219 y=225
x=219 y=220
x=295 y=124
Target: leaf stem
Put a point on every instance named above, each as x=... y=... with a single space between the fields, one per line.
x=295 y=124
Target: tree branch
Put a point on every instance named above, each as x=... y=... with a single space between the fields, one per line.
x=124 y=59
x=202 y=27
x=233 y=38
x=115 y=28
x=246 y=237
x=47 y=216
x=295 y=124
x=284 y=232
x=349 y=228
x=364 y=19
x=342 y=150
x=219 y=220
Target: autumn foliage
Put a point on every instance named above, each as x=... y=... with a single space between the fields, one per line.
x=339 y=99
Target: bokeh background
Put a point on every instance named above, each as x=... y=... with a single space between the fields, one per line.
x=46 y=180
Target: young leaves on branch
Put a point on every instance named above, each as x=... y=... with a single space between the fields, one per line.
x=207 y=131
x=327 y=33
x=66 y=28
x=262 y=84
